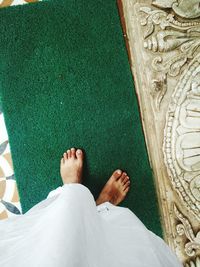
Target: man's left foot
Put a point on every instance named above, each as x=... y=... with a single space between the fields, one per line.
x=71 y=166
x=115 y=189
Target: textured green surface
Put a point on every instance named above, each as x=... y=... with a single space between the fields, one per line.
x=66 y=81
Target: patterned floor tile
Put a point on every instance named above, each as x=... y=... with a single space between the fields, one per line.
x=9 y=198
x=6 y=3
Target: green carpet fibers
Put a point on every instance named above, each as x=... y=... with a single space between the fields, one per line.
x=66 y=82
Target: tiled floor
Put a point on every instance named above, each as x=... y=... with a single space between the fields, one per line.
x=9 y=199
x=5 y=3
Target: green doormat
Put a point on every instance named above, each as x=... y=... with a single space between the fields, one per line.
x=66 y=82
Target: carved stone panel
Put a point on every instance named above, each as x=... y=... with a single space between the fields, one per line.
x=163 y=42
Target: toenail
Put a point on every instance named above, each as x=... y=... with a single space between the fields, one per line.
x=119 y=172
x=72 y=148
x=79 y=151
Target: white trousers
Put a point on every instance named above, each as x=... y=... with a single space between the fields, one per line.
x=68 y=230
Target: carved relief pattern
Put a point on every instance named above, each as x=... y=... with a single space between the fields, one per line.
x=158 y=89
x=183 y=8
x=182 y=137
x=173 y=44
x=195 y=263
x=184 y=37
x=185 y=228
x=163 y=34
x=182 y=132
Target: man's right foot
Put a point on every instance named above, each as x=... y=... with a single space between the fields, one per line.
x=115 y=189
x=71 y=166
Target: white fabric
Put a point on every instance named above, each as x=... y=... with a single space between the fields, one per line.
x=68 y=230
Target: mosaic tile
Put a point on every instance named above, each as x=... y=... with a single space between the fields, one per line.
x=3 y=215
x=2 y=188
x=1 y=172
x=10 y=207
x=9 y=198
x=6 y=3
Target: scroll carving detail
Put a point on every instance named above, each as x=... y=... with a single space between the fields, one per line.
x=185 y=228
x=172 y=43
x=170 y=35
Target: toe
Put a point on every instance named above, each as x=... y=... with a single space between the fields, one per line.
x=123 y=177
x=73 y=152
x=127 y=185
x=126 y=190
x=69 y=153
x=126 y=179
x=65 y=156
x=62 y=161
x=116 y=174
x=79 y=154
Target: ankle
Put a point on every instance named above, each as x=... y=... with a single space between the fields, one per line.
x=103 y=198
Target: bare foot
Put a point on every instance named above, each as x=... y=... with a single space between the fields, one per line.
x=115 y=189
x=71 y=166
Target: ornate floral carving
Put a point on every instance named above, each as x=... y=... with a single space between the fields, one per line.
x=181 y=146
x=184 y=8
x=167 y=59
x=170 y=35
x=195 y=263
x=173 y=43
x=185 y=228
